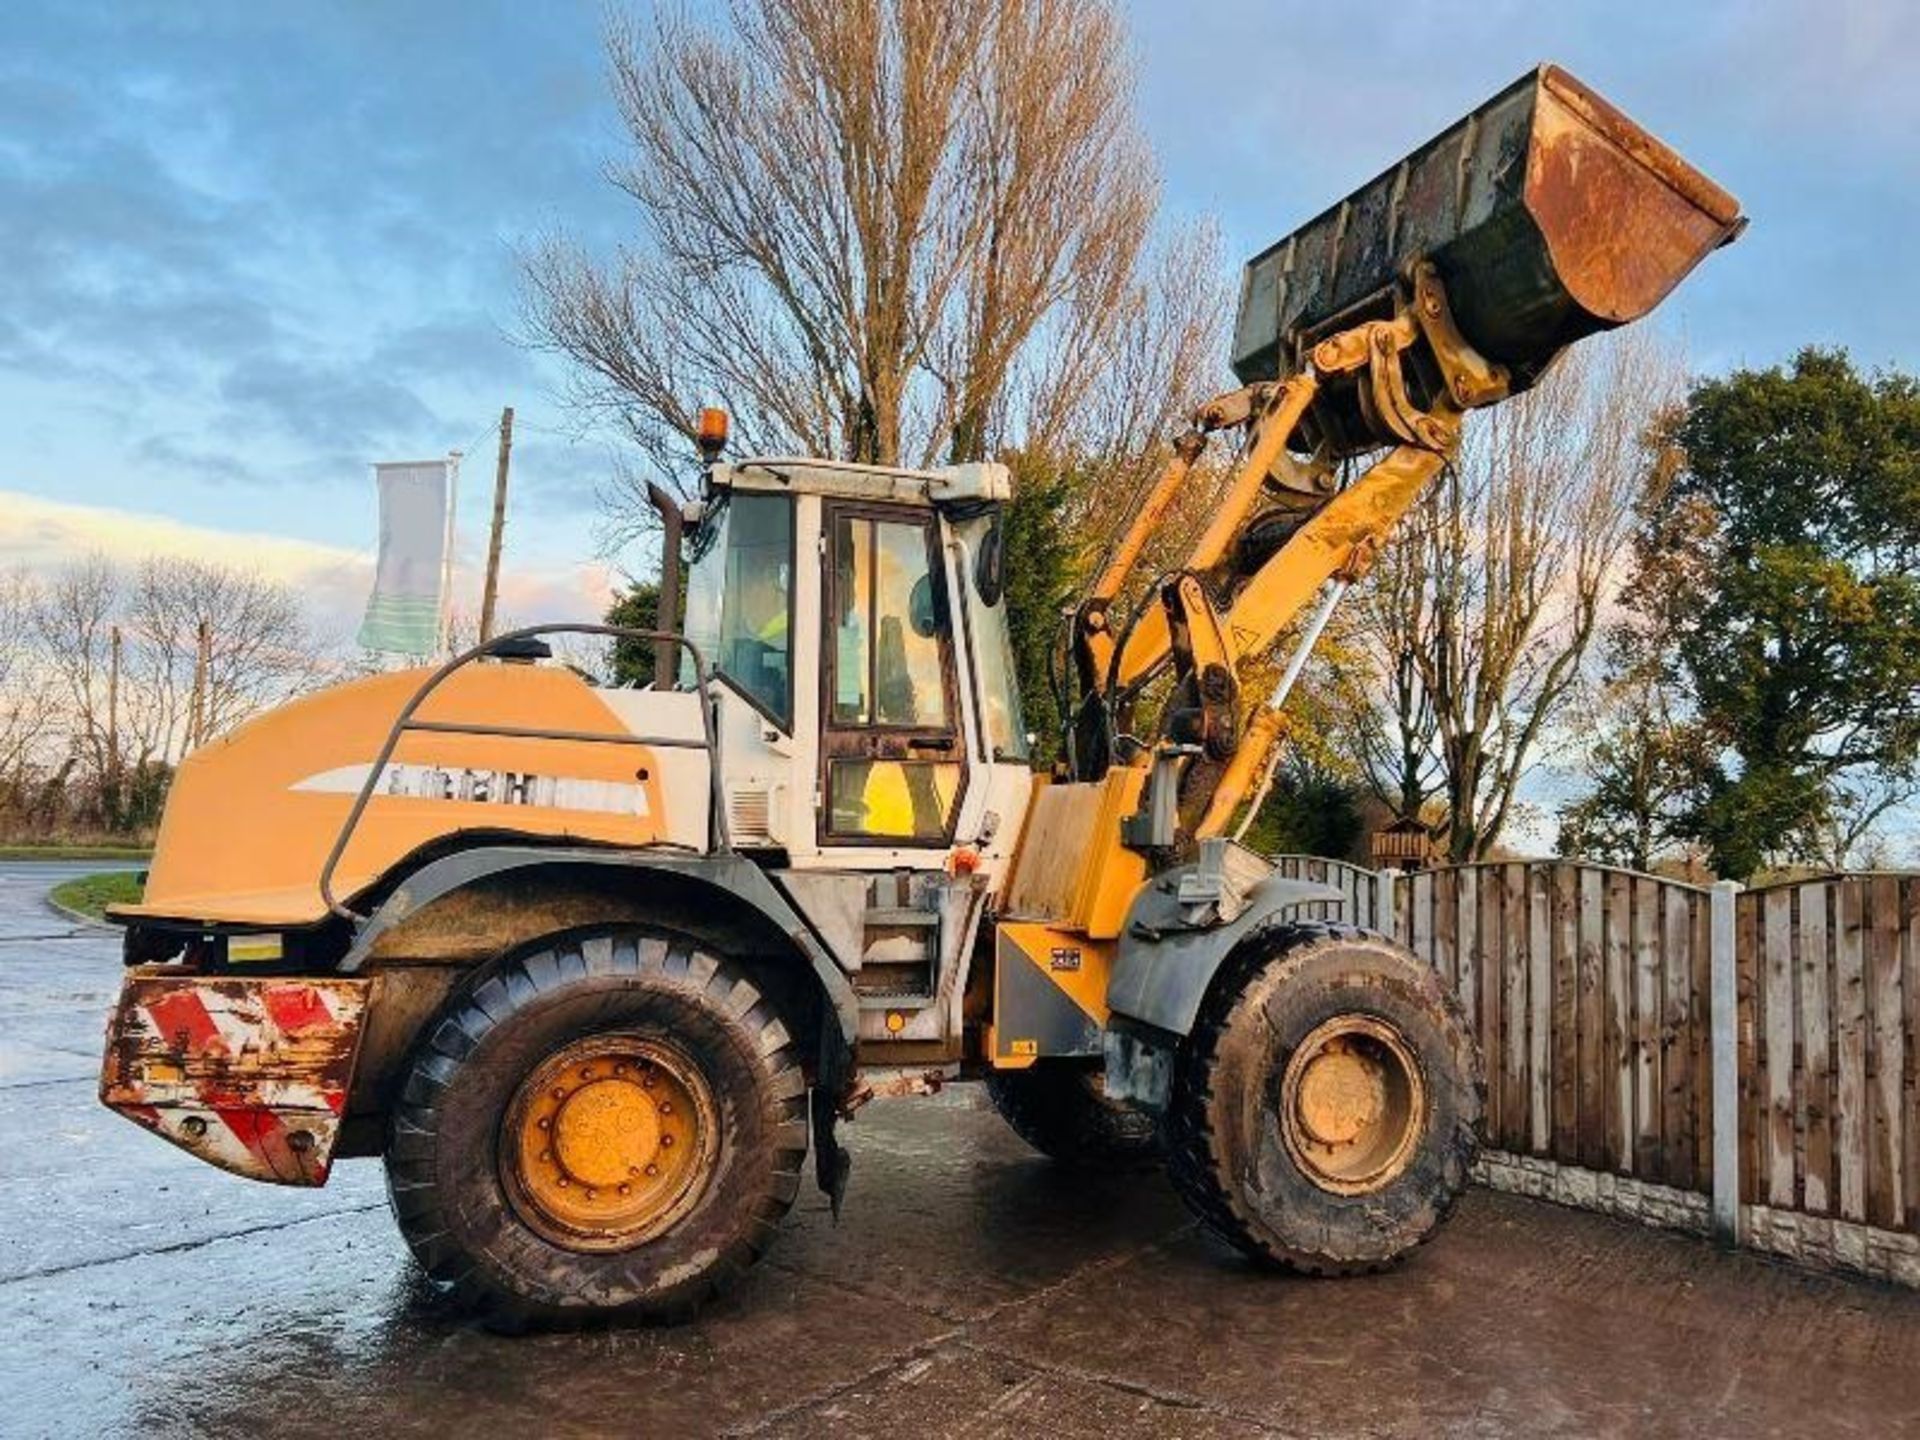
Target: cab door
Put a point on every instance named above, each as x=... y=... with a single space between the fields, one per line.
x=893 y=754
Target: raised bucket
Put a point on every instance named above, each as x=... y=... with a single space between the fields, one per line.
x=1548 y=213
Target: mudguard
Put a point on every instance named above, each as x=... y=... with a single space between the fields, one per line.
x=1166 y=962
x=729 y=874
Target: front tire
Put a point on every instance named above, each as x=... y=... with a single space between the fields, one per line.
x=1325 y=1108
x=612 y=1126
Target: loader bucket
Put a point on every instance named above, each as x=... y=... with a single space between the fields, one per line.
x=1548 y=214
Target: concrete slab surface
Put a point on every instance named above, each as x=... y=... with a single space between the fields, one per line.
x=969 y=1289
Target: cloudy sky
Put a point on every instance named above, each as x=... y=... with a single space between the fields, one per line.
x=245 y=250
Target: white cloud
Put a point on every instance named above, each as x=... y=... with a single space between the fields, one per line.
x=41 y=535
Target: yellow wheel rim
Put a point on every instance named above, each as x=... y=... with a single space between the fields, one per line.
x=1352 y=1103
x=609 y=1141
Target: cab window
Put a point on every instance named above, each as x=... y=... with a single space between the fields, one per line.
x=887 y=661
x=892 y=753
x=740 y=598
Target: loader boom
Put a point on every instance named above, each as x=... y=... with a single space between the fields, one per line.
x=1448 y=284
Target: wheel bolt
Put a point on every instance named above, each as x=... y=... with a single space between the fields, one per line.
x=626 y=1189
x=653 y=1169
x=666 y=1107
x=544 y=1122
x=586 y=1072
x=546 y=1154
x=593 y=1194
x=564 y=1182
x=558 y=1093
x=666 y=1140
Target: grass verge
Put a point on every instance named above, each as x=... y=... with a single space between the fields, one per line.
x=74 y=852
x=90 y=895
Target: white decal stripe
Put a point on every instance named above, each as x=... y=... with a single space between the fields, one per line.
x=486 y=787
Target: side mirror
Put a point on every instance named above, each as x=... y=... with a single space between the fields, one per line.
x=990 y=565
x=922 y=613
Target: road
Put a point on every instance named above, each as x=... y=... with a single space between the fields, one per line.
x=969 y=1289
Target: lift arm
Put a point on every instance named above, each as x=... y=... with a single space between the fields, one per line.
x=1446 y=283
x=1210 y=618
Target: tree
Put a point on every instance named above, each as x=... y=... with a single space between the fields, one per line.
x=26 y=699
x=1478 y=620
x=893 y=232
x=1789 y=545
x=636 y=608
x=1645 y=763
x=857 y=220
x=259 y=651
x=1314 y=808
x=122 y=660
x=74 y=622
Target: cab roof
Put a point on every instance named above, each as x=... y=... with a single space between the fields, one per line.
x=982 y=480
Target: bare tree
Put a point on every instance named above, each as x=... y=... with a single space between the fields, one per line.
x=1373 y=653
x=26 y=698
x=259 y=651
x=1116 y=387
x=74 y=619
x=1851 y=830
x=1480 y=617
x=119 y=658
x=859 y=219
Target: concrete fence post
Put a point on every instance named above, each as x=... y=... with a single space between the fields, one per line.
x=1385 y=916
x=1723 y=1014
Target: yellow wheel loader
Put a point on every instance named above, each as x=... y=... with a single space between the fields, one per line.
x=593 y=968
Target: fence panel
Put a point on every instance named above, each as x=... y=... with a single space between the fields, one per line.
x=1587 y=989
x=1590 y=991
x=1360 y=886
x=1830 y=1048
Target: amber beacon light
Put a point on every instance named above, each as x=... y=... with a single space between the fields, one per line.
x=712 y=433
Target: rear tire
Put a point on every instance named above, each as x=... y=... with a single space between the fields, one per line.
x=1061 y=1109
x=535 y=1202
x=1325 y=1107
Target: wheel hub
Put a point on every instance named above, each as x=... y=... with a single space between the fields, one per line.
x=608 y=1142
x=1341 y=1095
x=1352 y=1103
x=606 y=1130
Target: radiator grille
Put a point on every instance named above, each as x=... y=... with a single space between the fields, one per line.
x=749 y=816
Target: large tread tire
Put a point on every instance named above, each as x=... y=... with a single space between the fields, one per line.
x=1225 y=1153
x=445 y=1133
x=1061 y=1109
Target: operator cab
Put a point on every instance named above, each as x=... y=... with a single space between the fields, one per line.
x=871 y=745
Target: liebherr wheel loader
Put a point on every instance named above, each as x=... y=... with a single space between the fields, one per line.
x=592 y=968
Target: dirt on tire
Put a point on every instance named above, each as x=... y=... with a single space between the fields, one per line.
x=445 y=1176
x=1225 y=1150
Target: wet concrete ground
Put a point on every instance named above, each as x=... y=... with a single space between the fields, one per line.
x=969 y=1289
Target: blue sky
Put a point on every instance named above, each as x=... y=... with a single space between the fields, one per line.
x=245 y=250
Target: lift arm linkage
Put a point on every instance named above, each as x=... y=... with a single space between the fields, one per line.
x=1212 y=616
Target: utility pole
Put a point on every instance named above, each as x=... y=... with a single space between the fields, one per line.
x=491 y=593
x=197 y=707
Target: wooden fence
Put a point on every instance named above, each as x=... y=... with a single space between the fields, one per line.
x=1829 y=996
x=1362 y=888
x=1589 y=989
x=1592 y=991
